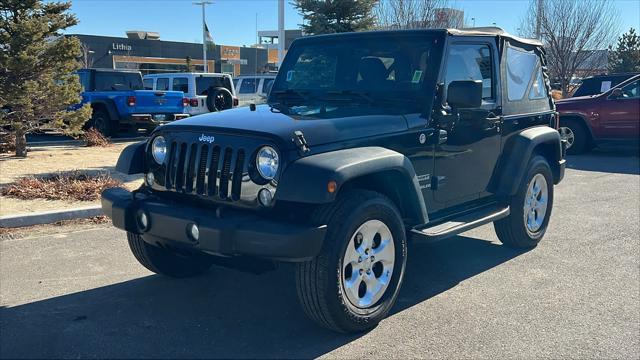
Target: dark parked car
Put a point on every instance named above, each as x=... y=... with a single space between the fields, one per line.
x=611 y=116
x=598 y=84
x=367 y=139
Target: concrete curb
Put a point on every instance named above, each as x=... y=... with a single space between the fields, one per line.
x=48 y=217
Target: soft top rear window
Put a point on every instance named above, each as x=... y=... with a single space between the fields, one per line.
x=203 y=84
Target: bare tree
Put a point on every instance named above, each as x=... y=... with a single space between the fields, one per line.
x=570 y=31
x=417 y=14
x=86 y=58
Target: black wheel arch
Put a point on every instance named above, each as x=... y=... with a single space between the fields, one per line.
x=106 y=105
x=542 y=140
x=372 y=168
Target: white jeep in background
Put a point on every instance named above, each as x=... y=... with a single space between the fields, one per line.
x=206 y=92
x=253 y=89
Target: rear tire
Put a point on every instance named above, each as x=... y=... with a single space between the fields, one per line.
x=165 y=262
x=345 y=288
x=530 y=208
x=577 y=136
x=101 y=121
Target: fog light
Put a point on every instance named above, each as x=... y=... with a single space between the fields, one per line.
x=193 y=231
x=143 y=221
x=265 y=197
x=150 y=179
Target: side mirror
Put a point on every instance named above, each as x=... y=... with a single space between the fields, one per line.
x=616 y=93
x=463 y=94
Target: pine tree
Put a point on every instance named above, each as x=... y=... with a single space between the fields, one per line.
x=37 y=83
x=626 y=56
x=335 y=16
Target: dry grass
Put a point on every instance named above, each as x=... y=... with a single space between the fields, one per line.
x=94 y=137
x=75 y=185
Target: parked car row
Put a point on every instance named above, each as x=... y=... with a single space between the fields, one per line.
x=124 y=100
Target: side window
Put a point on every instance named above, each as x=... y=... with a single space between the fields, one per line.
x=537 y=88
x=471 y=62
x=181 y=84
x=147 y=84
x=248 y=86
x=162 y=84
x=521 y=66
x=631 y=91
x=266 y=85
x=235 y=82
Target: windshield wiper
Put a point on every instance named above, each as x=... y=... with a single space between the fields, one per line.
x=363 y=95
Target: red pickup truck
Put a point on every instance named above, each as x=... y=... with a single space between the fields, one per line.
x=613 y=115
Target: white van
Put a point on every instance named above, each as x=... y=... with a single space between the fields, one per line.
x=197 y=87
x=253 y=88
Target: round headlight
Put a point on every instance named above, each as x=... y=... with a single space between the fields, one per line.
x=267 y=162
x=159 y=149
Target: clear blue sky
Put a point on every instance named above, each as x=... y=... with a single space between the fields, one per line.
x=233 y=22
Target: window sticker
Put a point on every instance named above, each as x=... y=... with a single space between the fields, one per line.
x=290 y=75
x=605 y=86
x=417 y=75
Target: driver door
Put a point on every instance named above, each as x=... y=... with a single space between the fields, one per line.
x=464 y=163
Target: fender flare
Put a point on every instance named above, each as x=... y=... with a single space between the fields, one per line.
x=110 y=106
x=131 y=159
x=520 y=148
x=305 y=180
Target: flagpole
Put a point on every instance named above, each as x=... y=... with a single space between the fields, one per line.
x=204 y=34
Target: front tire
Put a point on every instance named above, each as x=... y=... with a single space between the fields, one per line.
x=577 y=137
x=354 y=282
x=166 y=262
x=530 y=208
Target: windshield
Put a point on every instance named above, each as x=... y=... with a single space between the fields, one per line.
x=373 y=70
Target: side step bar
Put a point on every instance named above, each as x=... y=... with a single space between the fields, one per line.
x=462 y=223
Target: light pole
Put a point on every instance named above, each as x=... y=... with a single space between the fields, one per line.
x=204 y=34
x=474 y=21
x=280 y=32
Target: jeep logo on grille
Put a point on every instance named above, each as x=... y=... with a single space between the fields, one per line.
x=206 y=138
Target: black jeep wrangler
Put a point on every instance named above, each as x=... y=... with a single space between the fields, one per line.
x=367 y=140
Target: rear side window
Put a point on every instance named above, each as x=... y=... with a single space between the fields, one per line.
x=117 y=81
x=521 y=69
x=181 y=84
x=162 y=84
x=248 y=86
x=148 y=84
x=471 y=62
x=204 y=83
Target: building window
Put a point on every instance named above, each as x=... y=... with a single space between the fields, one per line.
x=162 y=84
x=181 y=84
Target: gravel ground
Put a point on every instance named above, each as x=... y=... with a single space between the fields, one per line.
x=45 y=160
x=75 y=291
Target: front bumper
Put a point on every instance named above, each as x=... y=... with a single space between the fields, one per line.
x=233 y=233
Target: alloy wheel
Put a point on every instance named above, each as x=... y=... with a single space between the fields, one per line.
x=535 y=203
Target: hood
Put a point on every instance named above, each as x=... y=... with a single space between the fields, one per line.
x=335 y=124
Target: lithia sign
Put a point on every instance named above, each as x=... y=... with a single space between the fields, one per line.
x=121 y=47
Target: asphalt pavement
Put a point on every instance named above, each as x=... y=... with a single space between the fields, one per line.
x=75 y=291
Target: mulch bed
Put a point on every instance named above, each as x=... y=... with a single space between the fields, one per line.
x=76 y=185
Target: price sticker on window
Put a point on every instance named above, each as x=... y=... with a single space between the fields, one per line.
x=290 y=75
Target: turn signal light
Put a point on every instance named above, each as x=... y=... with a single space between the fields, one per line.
x=193 y=102
x=185 y=102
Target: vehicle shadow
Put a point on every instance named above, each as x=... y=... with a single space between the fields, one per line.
x=224 y=314
x=611 y=159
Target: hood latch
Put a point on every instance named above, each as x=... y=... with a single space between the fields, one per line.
x=300 y=141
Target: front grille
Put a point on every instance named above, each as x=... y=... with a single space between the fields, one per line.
x=204 y=169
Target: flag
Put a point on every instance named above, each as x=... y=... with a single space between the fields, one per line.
x=207 y=34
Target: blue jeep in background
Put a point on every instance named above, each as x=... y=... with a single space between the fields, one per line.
x=119 y=101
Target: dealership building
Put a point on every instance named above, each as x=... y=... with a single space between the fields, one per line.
x=144 y=51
